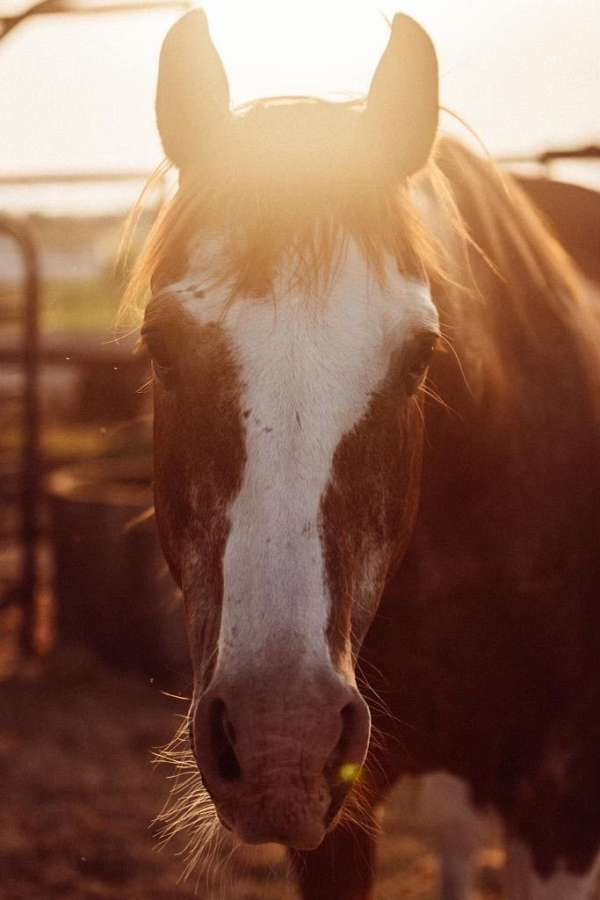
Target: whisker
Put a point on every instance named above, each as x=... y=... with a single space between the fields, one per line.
x=189 y=812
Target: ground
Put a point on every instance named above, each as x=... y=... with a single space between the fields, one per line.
x=79 y=794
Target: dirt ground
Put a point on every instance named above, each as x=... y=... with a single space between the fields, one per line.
x=79 y=793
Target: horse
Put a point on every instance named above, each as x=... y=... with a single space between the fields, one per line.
x=377 y=470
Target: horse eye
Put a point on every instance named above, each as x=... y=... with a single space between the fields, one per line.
x=162 y=372
x=163 y=366
x=418 y=359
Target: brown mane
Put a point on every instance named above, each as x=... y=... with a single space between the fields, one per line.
x=528 y=313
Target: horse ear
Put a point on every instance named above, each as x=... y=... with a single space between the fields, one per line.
x=402 y=106
x=192 y=97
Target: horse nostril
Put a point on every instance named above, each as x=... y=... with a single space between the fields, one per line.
x=348 y=715
x=345 y=761
x=229 y=730
x=339 y=758
x=222 y=738
x=344 y=764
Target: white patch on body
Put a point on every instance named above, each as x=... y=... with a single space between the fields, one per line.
x=523 y=883
x=463 y=834
x=308 y=370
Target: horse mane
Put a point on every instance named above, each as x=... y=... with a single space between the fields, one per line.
x=293 y=187
x=527 y=301
x=289 y=193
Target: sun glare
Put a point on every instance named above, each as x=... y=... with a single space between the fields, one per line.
x=316 y=48
x=492 y=70
x=324 y=49
x=328 y=49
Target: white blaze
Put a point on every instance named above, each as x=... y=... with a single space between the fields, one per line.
x=308 y=371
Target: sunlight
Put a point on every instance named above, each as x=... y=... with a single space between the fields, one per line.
x=329 y=49
x=323 y=49
x=491 y=71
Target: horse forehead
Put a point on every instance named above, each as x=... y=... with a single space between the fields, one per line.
x=357 y=318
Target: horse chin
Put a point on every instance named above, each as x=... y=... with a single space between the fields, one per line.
x=307 y=839
x=295 y=819
x=246 y=831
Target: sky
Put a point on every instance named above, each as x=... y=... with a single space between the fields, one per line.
x=77 y=93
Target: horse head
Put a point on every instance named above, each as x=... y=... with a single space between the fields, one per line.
x=290 y=332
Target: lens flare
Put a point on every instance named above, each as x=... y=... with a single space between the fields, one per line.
x=349 y=773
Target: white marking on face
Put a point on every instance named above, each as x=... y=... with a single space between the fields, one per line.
x=308 y=372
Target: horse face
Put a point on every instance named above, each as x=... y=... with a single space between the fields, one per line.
x=287 y=443
x=287 y=440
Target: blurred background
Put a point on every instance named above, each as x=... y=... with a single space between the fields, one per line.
x=92 y=647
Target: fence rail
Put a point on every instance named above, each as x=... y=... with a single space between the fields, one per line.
x=590 y=152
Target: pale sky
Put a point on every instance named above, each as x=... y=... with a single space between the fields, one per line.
x=78 y=93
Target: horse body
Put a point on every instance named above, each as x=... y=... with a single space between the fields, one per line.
x=318 y=538
x=483 y=654
x=494 y=608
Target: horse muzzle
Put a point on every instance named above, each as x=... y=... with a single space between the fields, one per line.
x=278 y=768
